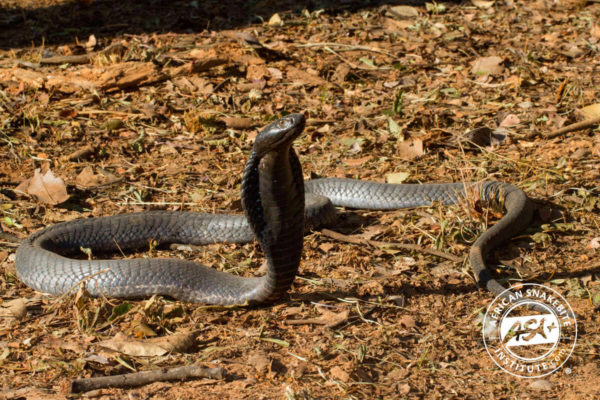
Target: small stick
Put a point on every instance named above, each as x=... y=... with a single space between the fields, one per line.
x=145 y=377
x=81 y=58
x=71 y=59
x=588 y=123
x=405 y=246
x=81 y=153
x=347 y=47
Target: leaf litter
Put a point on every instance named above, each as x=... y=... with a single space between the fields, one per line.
x=162 y=118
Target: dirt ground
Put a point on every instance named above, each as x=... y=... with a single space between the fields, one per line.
x=148 y=105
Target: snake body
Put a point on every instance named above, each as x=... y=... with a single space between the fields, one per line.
x=277 y=203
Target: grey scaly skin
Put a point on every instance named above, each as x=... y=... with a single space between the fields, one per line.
x=273 y=196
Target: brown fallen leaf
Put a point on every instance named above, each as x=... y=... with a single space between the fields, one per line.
x=330 y=319
x=484 y=137
x=407 y=321
x=237 y=122
x=326 y=247
x=91 y=43
x=357 y=162
x=541 y=385
x=483 y=4
x=260 y=361
x=396 y=177
x=45 y=188
x=300 y=77
x=87 y=178
x=13 y=309
x=488 y=66
x=410 y=149
x=594 y=243
x=591 y=111
x=510 y=120
x=339 y=374
x=159 y=346
x=275 y=20
x=403 y=12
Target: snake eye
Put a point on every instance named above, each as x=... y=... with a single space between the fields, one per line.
x=283 y=123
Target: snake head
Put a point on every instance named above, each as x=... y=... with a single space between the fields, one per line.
x=279 y=133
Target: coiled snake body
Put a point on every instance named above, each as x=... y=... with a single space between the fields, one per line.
x=273 y=196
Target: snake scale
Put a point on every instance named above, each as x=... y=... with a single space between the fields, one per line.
x=277 y=203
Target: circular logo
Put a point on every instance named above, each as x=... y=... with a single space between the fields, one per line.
x=529 y=332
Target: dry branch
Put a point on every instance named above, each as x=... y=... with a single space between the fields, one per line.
x=145 y=377
x=588 y=123
x=81 y=153
x=81 y=58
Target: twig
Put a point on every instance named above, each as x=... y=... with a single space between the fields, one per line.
x=405 y=246
x=145 y=377
x=71 y=59
x=588 y=123
x=220 y=85
x=81 y=58
x=81 y=153
x=489 y=85
x=347 y=47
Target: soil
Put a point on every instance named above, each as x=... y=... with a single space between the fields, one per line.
x=133 y=106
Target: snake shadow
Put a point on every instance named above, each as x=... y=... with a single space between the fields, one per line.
x=352 y=222
x=36 y=22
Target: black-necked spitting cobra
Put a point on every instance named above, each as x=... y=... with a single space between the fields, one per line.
x=273 y=197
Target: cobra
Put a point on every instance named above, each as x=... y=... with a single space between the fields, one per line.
x=277 y=203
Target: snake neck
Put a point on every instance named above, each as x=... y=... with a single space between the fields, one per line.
x=273 y=199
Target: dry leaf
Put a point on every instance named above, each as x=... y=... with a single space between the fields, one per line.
x=237 y=123
x=372 y=230
x=97 y=358
x=275 y=20
x=331 y=319
x=594 y=243
x=13 y=309
x=488 y=66
x=260 y=361
x=356 y=162
x=87 y=178
x=159 y=346
x=326 y=247
x=46 y=188
x=570 y=51
x=410 y=149
x=396 y=177
x=591 y=111
x=91 y=43
x=403 y=12
x=510 y=120
x=301 y=77
x=407 y=321
x=483 y=4
x=276 y=73
x=484 y=136
x=541 y=385
x=339 y=374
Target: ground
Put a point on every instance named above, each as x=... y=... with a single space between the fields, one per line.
x=162 y=115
